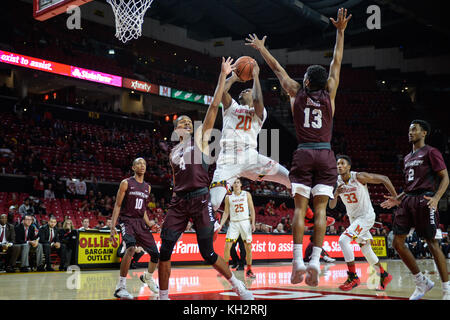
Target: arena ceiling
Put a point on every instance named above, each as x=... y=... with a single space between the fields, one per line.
x=414 y=25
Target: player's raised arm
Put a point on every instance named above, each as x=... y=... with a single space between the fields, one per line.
x=289 y=85
x=115 y=215
x=335 y=67
x=337 y=192
x=226 y=97
x=373 y=178
x=257 y=95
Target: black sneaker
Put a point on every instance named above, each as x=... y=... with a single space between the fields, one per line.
x=25 y=269
x=40 y=268
x=250 y=274
x=240 y=268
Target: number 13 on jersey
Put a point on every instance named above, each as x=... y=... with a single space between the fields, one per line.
x=316 y=122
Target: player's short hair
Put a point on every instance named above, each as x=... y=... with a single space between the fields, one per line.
x=345 y=157
x=175 y=122
x=424 y=125
x=137 y=159
x=317 y=76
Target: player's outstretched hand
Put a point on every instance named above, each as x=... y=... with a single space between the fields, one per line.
x=390 y=202
x=255 y=42
x=432 y=202
x=255 y=70
x=112 y=235
x=227 y=66
x=342 y=19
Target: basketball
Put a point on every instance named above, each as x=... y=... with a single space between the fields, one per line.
x=244 y=68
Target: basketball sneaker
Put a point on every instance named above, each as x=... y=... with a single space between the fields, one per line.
x=352 y=282
x=328 y=259
x=148 y=279
x=384 y=281
x=298 y=272
x=243 y=292
x=422 y=286
x=312 y=275
x=250 y=273
x=122 y=293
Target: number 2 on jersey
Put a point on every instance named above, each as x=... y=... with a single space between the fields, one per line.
x=245 y=123
x=238 y=207
x=351 y=198
x=316 y=123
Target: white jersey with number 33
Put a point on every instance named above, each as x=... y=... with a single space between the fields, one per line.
x=241 y=126
x=356 y=197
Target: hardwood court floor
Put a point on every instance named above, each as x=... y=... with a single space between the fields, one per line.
x=272 y=282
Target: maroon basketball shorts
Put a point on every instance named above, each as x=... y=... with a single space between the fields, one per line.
x=414 y=212
x=136 y=233
x=181 y=210
x=313 y=172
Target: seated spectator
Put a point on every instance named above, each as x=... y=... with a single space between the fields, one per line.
x=107 y=226
x=48 y=193
x=26 y=208
x=11 y=215
x=38 y=186
x=81 y=188
x=26 y=239
x=49 y=238
x=332 y=230
x=99 y=225
x=283 y=209
x=279 y=228
x=85 y=225
x=68 y=238
x=270 y=208
x=71 y=189
x=7 y=243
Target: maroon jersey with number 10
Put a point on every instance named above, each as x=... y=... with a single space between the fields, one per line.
x=420 y=169
x=313 y=116
x=135 y=201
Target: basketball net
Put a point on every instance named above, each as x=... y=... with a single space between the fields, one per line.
x=129 y=17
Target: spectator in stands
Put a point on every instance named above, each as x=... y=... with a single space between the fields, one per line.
x=99 y=225
x=270 y=206
x=71 y=189
x=48 y=193
x=107 y=226
x=279 y=228
x=286 y=221
x=11 y=215
x=38 y=186
x=332 y=230
x=85 y=225
x=60 y=188
x=13 y=201
x=7 y=243
x=26 y=208
x=189 y=227
x=68 y=238
x=49 y=239
x=81 y=188
x=26 y=239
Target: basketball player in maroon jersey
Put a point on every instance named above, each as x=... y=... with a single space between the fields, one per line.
x=313 y=168
x=130 y=210
x=191 y=199
x=426 y=180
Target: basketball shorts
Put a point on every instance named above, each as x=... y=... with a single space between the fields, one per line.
x=243 y=228
x=247 y=163
x=313 y=171
x=414 y=212
x=359 y=228
x=182 y=210
x=135 y=232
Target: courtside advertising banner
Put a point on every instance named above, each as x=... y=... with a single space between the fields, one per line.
x=140 y=86
x=264 y=247
x=96 y=248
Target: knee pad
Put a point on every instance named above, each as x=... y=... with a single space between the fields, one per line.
x=154 y=254
x=344 y=243
x=207 y=250
x=368 y=253
x=165 y=252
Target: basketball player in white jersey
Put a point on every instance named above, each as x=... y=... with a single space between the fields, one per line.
x=353 y=191
x=238 y=156
x=239 y=206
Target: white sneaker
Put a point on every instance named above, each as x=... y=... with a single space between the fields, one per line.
x=298 y=272
x=312 y=275
x=446 y=295
x=422 y=287
x=243 y=292
x=122 y=293
x=328 y=259
x=147 y=279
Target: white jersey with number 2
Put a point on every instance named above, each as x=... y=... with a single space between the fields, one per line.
x=241 y=126
x=356 y=197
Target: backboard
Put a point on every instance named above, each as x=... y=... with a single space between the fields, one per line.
x=46 y=9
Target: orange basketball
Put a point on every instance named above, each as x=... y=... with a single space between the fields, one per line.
x=244 y=68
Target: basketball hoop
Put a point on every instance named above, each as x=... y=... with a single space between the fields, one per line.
x=129 y=17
